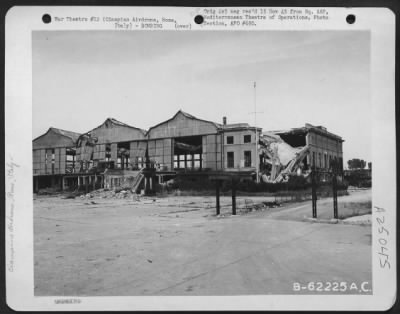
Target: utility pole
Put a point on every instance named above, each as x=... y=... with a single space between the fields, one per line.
x=257 y=157
x=255 y=126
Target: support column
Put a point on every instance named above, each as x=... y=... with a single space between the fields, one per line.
x=217 y=190
x=314 y=194
x=35 y=184
x=62 y=183
x=334 y=187
x=233 y=197
x=53 y=181
x=151 y=183
x=94 y=182
x=86 y=178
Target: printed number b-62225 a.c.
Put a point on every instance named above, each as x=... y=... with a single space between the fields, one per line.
x=333 y=286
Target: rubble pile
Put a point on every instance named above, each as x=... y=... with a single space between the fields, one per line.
x=106 y=193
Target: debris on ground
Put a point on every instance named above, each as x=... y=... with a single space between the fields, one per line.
x=272 y=204
x=358 y=220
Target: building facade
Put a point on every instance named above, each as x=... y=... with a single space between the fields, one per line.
x=181 y=144
x=240 y=151
x=53 y=156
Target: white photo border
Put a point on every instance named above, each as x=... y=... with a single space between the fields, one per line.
x=21 y=21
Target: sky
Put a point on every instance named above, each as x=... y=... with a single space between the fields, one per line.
x=142 y=78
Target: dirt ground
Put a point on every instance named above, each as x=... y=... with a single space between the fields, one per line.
x=178 y=246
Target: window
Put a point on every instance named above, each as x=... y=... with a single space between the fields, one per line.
x=231 y=160
x=197 y=161
x=188 y=161
x=319 y=160
x=182 y=161
x=229 y=140
x=247 y=138
x=247 y=158
x=325 y=161
x=70 y=160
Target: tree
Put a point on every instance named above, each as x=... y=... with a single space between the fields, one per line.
x=356 y=163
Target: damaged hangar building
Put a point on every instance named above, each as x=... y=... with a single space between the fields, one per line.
x=116 y=154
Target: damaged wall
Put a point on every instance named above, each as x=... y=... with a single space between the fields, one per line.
x=296 y=151
x=49 y=154
x=112 y=141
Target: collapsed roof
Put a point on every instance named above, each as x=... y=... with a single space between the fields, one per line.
x=281 y=159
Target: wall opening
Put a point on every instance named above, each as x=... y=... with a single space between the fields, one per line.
x=188 y=152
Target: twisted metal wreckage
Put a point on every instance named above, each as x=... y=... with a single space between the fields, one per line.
x=280 y=160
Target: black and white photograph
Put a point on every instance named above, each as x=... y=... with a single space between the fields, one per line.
x=204 y=163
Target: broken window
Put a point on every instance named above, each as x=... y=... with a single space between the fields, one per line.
x=108 y=152
x=53 y=160
x=229 y=140
x=70 y=160
x=247 y=158
x=140 y=162
x=247 y=139
x=230 y=160
x=123 y=155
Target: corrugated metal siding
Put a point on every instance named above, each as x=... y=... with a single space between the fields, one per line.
x=182 y=126
x=115 y=133
x=52 y=140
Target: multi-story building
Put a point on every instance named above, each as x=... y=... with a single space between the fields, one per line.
x=240 y=151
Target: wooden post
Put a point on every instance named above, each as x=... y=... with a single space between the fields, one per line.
x=35 y=184
x=335 y=205
x=86 y=184
x=233 y=197
x=217 y=188
x=314 y=193
x=94 y=182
